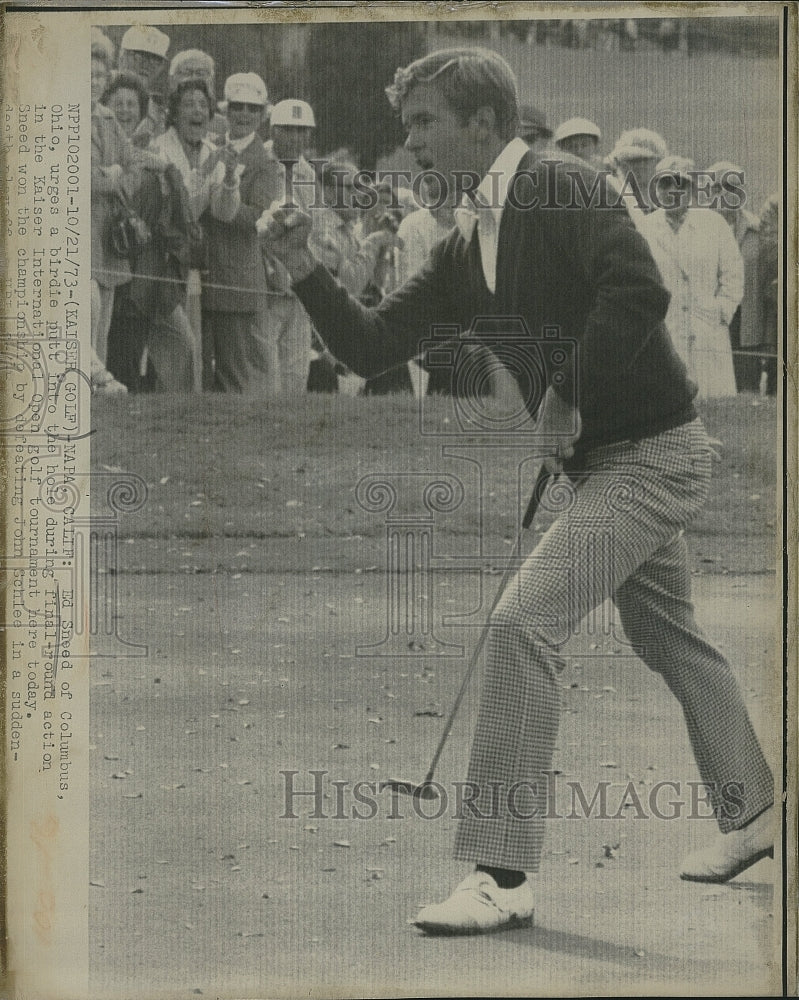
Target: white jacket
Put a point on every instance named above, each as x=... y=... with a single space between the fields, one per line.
x=702 y=268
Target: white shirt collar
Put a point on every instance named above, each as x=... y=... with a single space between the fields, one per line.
x=492 y=192
x=239 y=144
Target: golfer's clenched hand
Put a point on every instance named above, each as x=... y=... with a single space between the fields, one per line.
x=284 y=232
x=559 y=426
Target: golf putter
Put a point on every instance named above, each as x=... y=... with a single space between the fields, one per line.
x=425 y=790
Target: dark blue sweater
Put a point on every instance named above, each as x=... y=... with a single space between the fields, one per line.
x=579 y=304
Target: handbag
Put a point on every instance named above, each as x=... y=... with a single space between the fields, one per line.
x=128 y=233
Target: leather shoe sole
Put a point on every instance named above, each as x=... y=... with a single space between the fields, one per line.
x=719 y=878
x=437 y=930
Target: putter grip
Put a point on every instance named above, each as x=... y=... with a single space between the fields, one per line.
x=535 y=497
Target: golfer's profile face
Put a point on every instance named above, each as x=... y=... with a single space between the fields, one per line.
x=436 y=136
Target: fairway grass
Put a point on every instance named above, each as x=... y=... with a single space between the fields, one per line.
x=230 y=467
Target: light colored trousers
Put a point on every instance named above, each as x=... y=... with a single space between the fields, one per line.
x=287 y=335
x=102 y=308
x=619 y=537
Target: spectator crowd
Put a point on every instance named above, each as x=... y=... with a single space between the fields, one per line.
x=186 y=299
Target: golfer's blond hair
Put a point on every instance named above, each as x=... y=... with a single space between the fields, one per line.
x=470 y=79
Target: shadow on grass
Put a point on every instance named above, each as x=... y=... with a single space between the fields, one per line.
x=580 y=946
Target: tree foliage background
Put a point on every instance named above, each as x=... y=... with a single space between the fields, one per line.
x=346 y=69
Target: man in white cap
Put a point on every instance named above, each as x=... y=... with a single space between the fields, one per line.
x=286 y=324
x=235 y=290
x=143 y=51
x=291 y=130
x=579 y=137
x=633 y=161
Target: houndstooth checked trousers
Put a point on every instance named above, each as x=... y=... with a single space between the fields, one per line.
x=619 y=537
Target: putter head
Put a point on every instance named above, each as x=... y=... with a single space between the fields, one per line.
x=398 y=787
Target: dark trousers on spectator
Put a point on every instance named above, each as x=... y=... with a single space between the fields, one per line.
x=127 y=337
x=745 y=365
x=167 y=339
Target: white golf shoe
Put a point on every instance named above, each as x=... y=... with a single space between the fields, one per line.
x=478 y=906
x=732 y=853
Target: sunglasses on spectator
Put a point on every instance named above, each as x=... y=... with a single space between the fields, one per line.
x=244 y=106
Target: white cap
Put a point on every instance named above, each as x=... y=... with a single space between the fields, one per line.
x=292 y=113
x=638 y=144
x=144 y=38
x=675 y=166
x=248 y=88
x=576 y=126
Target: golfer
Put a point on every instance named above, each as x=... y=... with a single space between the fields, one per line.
x=624 y=419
